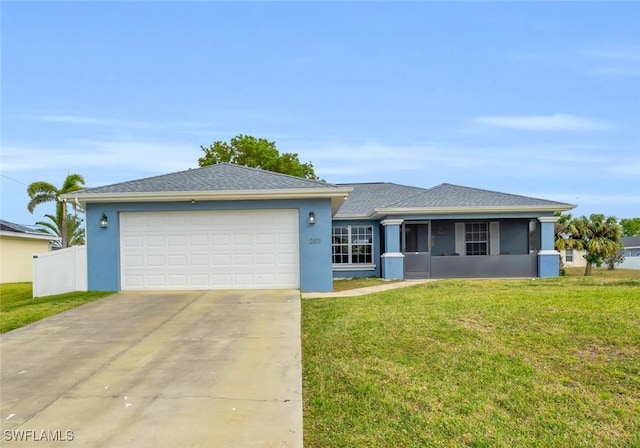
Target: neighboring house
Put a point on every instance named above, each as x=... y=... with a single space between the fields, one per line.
x=631 y=246
x=18 y=244
x=573 y=258
x=226 y=226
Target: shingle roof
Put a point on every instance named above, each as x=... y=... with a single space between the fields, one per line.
x=447 y=195
x=631 y=241
x=366 y=198
x=7 y=226
x=218 y=177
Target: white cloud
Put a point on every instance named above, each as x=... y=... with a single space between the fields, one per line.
x=631 y=169
x=93 y=121
x=555 y=122
x=150 y=157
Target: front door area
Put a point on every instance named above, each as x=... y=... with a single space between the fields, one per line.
x=415 y=244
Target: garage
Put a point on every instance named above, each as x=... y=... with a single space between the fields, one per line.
x=213 y=249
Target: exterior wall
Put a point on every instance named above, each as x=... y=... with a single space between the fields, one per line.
x=578 y=259
x=16 y=254
x=375 y=271
x=103 y=245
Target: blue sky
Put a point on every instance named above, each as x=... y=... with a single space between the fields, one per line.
x=540 y=99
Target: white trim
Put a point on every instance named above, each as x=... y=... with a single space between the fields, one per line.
x=392 y=222
x=218 y=195
x=353 y=267
x=548 y=218
x=460 y=240
x=494 y=238
x=548 y=252
x=393 y=255
x=44 y=236
x=377 y=212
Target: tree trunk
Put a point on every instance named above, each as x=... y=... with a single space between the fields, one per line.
x=63 y=225
x=587 y=269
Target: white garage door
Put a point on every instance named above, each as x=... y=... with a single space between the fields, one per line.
x=252 y=249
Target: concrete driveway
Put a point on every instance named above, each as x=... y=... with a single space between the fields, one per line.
x=158 y=369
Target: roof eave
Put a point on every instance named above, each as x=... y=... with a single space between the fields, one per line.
x=33 y=236
x=337 y=195
x=380 y=212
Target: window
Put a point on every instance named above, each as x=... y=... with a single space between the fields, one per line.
x=568 y=255
x=352 y=245
x=476 y=238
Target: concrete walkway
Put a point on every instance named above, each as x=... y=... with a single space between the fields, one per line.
x=364 y=291
x=179 y=369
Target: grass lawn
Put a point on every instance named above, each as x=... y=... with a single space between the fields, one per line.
x=18 y=308
x=495 y=363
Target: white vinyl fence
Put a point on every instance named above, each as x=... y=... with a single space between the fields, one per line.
x=60 y=271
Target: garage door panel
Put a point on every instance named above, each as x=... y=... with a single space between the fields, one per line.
x=209 y=250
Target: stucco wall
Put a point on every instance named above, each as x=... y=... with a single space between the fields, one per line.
x=16 y=255
x=103 y=245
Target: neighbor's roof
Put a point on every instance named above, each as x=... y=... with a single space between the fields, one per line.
x=222 y=181
x=631 y=241
x=18 y=230
x=388 y=199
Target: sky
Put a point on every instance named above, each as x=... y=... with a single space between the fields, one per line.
x=540 y=99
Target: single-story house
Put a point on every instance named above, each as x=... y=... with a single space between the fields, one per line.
x=573 y=258
x=631 y=246
x=18 y=244
x=226 y=226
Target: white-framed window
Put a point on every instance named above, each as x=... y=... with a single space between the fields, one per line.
x=476 y=238
x=352 y=245
x=568 y=255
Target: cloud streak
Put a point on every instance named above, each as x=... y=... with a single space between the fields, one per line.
x=555 y=122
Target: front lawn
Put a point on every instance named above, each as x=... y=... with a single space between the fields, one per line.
x=18 y=308
x=506 y=363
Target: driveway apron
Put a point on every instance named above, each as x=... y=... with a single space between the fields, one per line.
x=158 y=369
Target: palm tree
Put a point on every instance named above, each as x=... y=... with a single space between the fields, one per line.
x=42 y=192
x=567 y=236
x=75 y=231
x=600 y=238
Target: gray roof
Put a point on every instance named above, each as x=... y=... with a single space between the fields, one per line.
x=218 y=177
x=366 y=198
x=631 y=241
x=7 y=226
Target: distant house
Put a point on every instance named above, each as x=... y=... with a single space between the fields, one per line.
x=226 y=226
x=573 y=258
x=18 y=244
x=631 y=246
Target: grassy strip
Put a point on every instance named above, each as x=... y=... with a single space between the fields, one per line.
x=551 y=362
x=18 y=308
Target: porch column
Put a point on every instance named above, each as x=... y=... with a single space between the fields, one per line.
x=392 y=259
x=548 y=257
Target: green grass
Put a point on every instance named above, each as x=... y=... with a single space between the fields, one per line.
x=495 y=363
x=18 y=308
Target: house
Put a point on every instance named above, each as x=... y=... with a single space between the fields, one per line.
x=226 y=226
x=18 y=244
x=631 y=246
x=573 y=258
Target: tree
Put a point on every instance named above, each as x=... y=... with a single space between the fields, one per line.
x=567 y=236
x=600 y=238
x=614 y=259
x=630 y=226
x=257 y=153
x=42 y=192
x=75 y=231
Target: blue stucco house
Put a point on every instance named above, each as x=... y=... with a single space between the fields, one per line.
x=226 y=226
